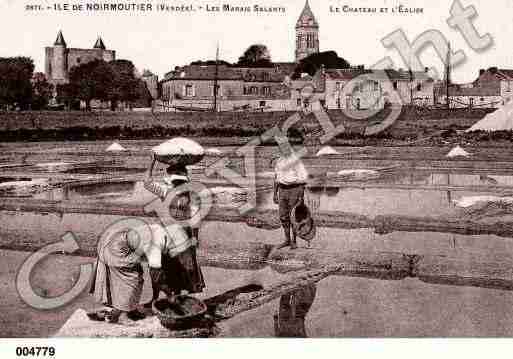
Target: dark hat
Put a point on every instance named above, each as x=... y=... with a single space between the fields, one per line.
x=302 y=222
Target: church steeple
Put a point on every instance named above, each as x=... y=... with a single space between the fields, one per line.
x=60 y=40
x=99 y=44
x=307 y=18
x=307 y=34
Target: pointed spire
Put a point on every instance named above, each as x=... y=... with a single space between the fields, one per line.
x=99 y=44
x=307 y=18
x=60 y=40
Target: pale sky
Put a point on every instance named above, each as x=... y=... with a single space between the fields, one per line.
x=161 y=40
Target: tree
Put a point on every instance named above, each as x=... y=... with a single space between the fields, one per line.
x=256 y=55
x=42 y=91
x=207 y=63
x=91 y=81
x=15 y=81
x=125 y=85
x=312 y=63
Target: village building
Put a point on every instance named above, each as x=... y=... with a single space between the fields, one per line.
x=243 y=88
x=238 y=88
x=358 y=88
x=492 y=88
x=278 y=88
x=465 y=96
x=60 y=59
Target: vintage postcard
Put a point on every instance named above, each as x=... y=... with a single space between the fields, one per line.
x=255 y=169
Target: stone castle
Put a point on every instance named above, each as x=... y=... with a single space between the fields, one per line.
x=59 y=58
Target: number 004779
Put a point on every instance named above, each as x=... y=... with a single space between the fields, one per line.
x=35 y=351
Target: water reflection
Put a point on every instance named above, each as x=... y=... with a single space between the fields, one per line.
x=289 y=322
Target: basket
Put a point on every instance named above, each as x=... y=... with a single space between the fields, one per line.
x=179 y=151
x=182 y=314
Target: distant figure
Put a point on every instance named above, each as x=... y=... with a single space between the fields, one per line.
x=289 y=190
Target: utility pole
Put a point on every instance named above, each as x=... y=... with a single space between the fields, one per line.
x=411 y=86
x=215 y=78
x=448 y=75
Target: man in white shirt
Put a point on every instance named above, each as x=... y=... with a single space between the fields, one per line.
x=289 y=189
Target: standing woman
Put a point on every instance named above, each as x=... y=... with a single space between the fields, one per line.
x=180 y=271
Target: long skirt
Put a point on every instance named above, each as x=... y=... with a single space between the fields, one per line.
x=118 y=281
x=118 y=287
x=182 y=273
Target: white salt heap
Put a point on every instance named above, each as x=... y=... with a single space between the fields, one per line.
x=458 y=152
x=52 y=164
x=115 y=147
x=179 y=146
x=34 y=182
x=500 y=120
x=469 y=201
x=214 y=151
x=327 y=150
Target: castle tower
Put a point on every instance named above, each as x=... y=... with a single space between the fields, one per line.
x=59 y=66
x=104 y=54
x=307 y=34
x=99 y=44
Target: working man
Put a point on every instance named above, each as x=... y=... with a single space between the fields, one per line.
x=289 y=189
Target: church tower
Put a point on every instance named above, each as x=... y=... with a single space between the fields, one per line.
x=307 y=34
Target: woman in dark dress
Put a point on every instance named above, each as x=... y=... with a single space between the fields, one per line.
x=180 y=270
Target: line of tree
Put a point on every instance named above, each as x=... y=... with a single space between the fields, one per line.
x=114 y=81
x=15 y=82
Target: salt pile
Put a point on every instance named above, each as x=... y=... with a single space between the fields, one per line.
x=327 y=150
x=465 y=202
x=179 y=146
x=500 y=120
x=214 y=151
x=55 y=166
x=115 y=147
x=52 y=164
x=458 y=152
x=14 y=184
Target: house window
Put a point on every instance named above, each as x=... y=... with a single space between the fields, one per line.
x=419 y=87
x=298 y=102
x=337 y=86
x=262 y=103
x=189 y=90
x=79 y=60
x=266 y=91
x=376 y=85
x=254 y=90
x=357 y=88
x=481 y=99
x=395 y=85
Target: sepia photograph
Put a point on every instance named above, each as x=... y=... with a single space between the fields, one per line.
x=269 y=169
